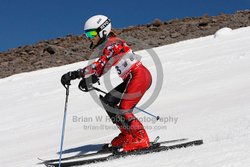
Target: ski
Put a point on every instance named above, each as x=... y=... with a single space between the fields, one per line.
x=156 y=147
x=105 y=149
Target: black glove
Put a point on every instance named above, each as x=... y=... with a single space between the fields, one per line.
x=66 y=78
x=86 y=83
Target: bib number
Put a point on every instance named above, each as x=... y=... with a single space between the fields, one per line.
x=118 y=70
x=126 y=63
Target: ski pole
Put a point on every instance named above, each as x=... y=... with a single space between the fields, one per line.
x=157 y=117
x=64 y=123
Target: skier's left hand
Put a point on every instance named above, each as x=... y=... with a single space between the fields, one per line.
x=66 y=78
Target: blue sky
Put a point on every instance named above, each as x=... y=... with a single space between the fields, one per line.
x=24 y=22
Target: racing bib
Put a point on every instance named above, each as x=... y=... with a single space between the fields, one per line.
x=126 y=63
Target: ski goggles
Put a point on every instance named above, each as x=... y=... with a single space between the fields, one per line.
x=91 y=33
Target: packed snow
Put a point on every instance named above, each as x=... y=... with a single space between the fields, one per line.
x=205 y=95
x=223 y=32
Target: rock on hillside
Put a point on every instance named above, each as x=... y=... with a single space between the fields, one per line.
x=70 y=49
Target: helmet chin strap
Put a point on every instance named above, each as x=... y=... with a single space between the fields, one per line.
x=91 y=45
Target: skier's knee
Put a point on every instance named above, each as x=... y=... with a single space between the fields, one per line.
x=111 y=100
x=111 y=110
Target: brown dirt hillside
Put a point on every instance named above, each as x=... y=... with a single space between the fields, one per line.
x=72 y=48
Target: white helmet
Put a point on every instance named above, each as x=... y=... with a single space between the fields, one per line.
x=100 y=23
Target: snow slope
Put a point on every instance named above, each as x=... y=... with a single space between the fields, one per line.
x=205 y=95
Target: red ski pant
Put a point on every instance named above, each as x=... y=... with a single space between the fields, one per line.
x=138 y=83
x=128 y=93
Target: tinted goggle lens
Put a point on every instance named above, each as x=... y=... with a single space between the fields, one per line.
x=91 y=34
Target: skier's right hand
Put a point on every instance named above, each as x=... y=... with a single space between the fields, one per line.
x=66 y=78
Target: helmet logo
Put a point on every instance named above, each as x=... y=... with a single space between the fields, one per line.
x=104 y=24
x=99 y=21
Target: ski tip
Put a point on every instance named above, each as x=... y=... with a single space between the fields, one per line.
x=42 y=161
x=199 y=142
x=196 y=142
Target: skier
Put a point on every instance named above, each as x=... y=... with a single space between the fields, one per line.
x=120 y=101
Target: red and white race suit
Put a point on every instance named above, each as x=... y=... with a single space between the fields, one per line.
x=117 y=53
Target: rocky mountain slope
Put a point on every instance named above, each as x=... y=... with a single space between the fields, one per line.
x=72 y=48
